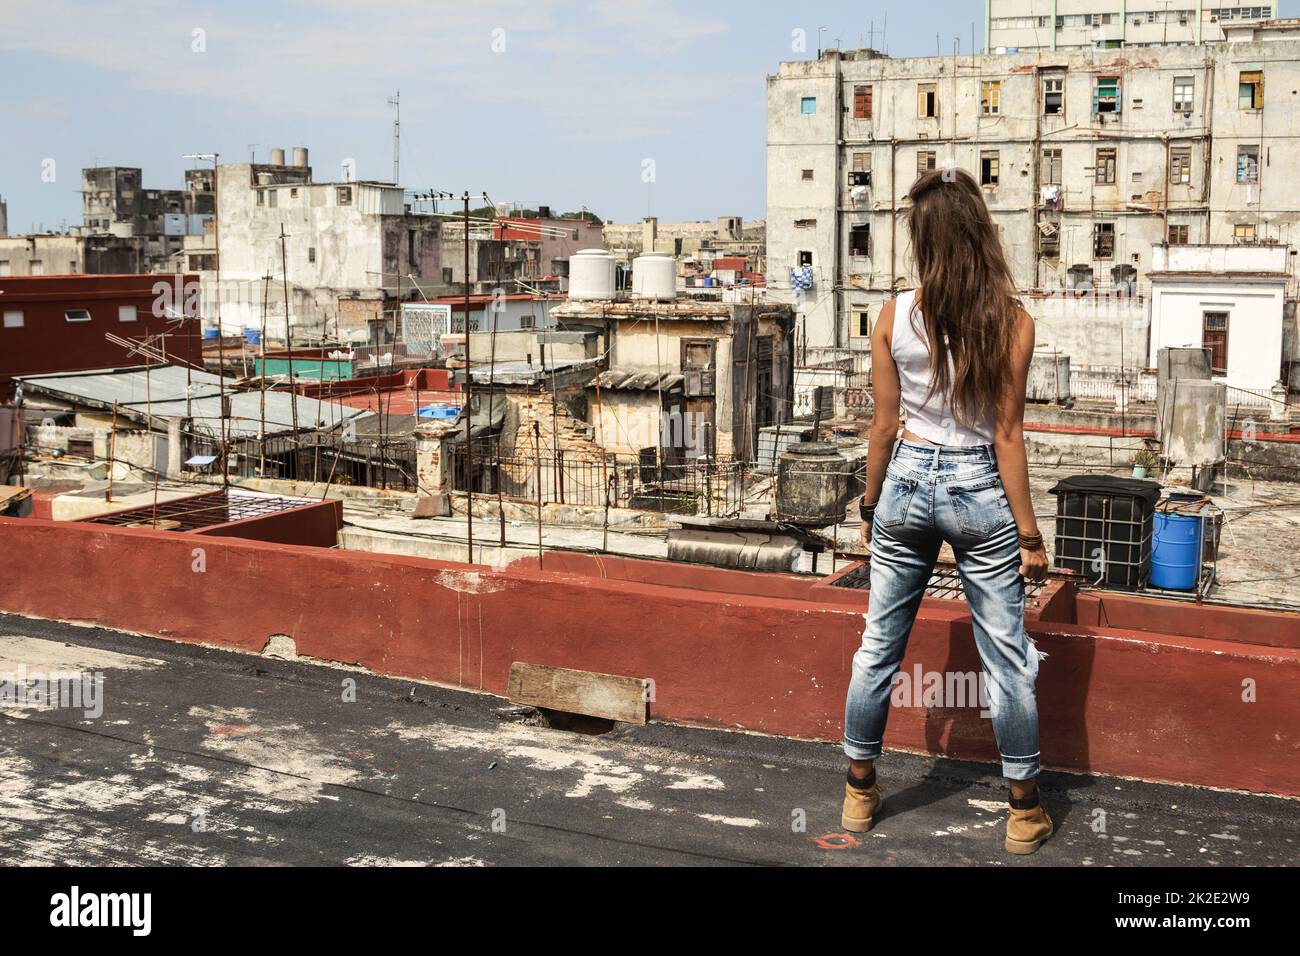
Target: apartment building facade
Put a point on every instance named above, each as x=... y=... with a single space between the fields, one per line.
x=1087 y=157
x=1023 y=25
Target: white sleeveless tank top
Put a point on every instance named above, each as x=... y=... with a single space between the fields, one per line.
x=933 y=420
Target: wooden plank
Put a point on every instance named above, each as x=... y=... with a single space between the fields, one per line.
x=579 y=692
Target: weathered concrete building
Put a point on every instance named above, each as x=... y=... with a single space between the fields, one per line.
x=1077 y=24
x=127 y=220
x=4 y=218
x=50 y=254
x=1088 y=158
x=346 y=242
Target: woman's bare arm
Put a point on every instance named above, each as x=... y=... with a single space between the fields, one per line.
x=1009 y=443
x=884 y=394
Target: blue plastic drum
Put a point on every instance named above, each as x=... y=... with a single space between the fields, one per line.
x=1176 y=551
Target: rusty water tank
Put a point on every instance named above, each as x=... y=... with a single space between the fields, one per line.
x=812 y=482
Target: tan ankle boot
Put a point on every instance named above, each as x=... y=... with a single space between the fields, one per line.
x=1027 y=827
x=862 y=804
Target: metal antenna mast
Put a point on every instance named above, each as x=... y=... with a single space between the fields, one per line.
x=396 y=103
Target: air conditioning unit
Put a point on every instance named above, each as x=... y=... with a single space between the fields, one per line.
x=699 y=382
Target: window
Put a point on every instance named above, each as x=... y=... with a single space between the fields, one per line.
x=37 y=267
x=72 y=267
x=1214 y=336
x=311 y=253
x=1250 y=90
x=807 y=175
x=1105 y=168
x=126 y=313
x=989 y=167
x=1051 y=168
x=4 y=267
x=271 y=198
x=991 y=97
x=1247 y=164
x=927 y=100
x=1243 y=232
x=860 y=173
x=261 y=197
x=862 y=102
x=926 y=159
x=1183 y=87
x=1107 y=97
x=860 y=240
x=1050 y=247
x=805 y=257
x=1053 y=95
x=13 y=319
x=1178 y=235
x=1103 y=240
x=808 y=105
x=862 y=324
x=77 y=315
x=412 y=247
x=446 y=276
x=293 y=193
x=343 y=195
x=1180 y=165
x=805 y=223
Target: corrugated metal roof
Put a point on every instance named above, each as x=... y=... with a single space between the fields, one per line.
x=640 y=379
x=159 y=391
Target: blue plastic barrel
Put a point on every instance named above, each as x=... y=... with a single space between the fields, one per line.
x=253 y=336
x=211 y=333
x=1176 y=551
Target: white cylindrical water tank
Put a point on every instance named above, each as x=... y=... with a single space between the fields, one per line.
x=300 y=156
x=654 y=276
x=277 y=157
x=591 y=274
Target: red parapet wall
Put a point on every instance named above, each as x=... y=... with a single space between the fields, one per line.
x=770 y=655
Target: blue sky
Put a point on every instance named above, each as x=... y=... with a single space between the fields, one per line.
x=542 y=101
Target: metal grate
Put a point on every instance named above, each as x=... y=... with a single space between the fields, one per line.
x=944 y=583
x=201 y=511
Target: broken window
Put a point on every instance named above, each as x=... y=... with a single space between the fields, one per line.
x=807 y=175
x=1053 y=95
x=805 y=257
x=1247 y=164
x=991 y=97
x=860 y=240
x=1178 y=234
x=860 y=171
x=1105 y=168
x=1103 y=240
x=1106 y=99
x=926 y=160
x=862 y=323
x=1183 y=88
x=1051 y=168
x=1049 y=246
x=805 y=223
x=862 y=102
x=1214 y=336
x=1180 y=165
x=989 y=167
x=1250 y=90
x=927 y=100
x=343 y=195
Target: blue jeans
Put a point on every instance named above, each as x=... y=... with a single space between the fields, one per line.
x=934 y=494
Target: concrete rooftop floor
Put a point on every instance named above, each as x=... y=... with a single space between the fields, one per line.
x=207 y=757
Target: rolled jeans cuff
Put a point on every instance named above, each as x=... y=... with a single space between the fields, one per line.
x=1020 y=768
x=860 y=751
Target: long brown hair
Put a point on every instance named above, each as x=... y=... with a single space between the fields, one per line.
x=970 y=306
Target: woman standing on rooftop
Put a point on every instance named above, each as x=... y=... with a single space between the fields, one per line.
x=955 y=352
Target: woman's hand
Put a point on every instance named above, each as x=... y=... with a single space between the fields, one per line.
x=1033 y=564
x=866 y=536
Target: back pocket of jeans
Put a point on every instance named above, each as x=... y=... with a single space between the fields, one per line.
x=981 y=506
x=895 y=498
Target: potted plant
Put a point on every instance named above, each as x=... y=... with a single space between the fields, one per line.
x=1143 y=460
